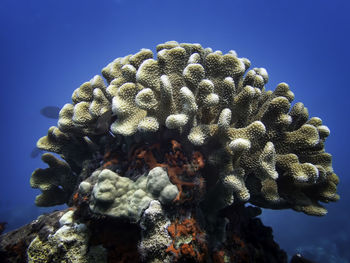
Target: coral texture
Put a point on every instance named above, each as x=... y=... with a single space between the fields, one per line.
x=56 y=182
x=68 y=244
x=179 y=138
x=119 y=196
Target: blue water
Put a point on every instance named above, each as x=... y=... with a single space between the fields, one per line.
x=50 y=47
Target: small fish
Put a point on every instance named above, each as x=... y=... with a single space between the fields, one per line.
x=51 y=112
x=103 y=122
x=35 y=152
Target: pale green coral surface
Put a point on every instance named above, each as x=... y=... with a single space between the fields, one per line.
x=267 y=151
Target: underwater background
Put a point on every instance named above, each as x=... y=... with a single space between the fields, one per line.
x=49 y=48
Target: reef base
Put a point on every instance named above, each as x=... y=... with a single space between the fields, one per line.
x=55 y=237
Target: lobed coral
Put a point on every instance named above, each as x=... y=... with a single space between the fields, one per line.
x=56 y=182
x=119 y=196
x=176 y=140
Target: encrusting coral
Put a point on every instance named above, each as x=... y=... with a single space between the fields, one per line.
x=179 y=139
x=67 y=244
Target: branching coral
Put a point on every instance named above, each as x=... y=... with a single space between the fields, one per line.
x=196 y=130
x=56 y=182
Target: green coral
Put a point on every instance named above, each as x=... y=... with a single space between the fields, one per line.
x=119 y=196
x=56 y=182
x=72 y=148
x=267 y=152
x=89 y=104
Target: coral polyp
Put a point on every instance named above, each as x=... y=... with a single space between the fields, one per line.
x=176 y=143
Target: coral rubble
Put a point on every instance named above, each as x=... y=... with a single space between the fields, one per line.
x=172 y=148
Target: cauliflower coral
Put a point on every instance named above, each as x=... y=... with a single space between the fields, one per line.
x=207 y=121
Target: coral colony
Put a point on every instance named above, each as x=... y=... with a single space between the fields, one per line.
x=160 y=163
